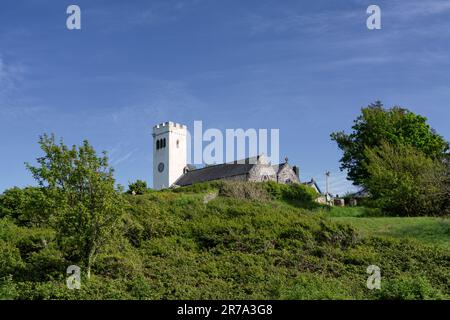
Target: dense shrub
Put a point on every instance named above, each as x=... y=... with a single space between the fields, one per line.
x=8 y=289
x=244 y=190
x=200 y=187
x=10 y=259
x=138 y=187
x=404 y=181
x=309 y=286
x=409 y=288
x=295 y=193
x=29 y=206
x=45 y=265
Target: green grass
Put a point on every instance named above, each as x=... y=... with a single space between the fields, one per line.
x=429 y=230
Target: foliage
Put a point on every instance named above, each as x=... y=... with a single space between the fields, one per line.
x=81 y=184
x=299 y=194
x=10 y=259
x=244 y=190
x=404 y=181
x=409 y=288
x=295 y=193
x=8 y=289
x=308 y=286
x=171 y=245
x=397 y=126
x=29 y=206
x=138 y=187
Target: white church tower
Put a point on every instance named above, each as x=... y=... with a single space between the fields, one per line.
x=169 y=153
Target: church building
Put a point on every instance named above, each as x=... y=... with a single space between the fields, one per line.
x=170 y=168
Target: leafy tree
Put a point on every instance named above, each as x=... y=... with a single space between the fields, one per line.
x=138 y=187
x=376 y=124
x=404 y=181
x=82 y=186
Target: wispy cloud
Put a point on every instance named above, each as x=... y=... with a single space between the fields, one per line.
x=162 y=100
x=289 y=21
x=116 y=160
x=12 y=106
x=126 y=16
x=414 y=8
x=9 y=75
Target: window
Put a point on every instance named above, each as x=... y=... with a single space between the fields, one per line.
x=157 y=144
x=178 y=143
x=164 y=142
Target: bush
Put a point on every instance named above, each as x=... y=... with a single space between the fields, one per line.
x=8 y=289
x=46 y=265
x=299 y=194
x=244 y=190
x=405 y=182
x=408 y=288
x=200 y=187
x=316 y=287
x=28 y=207
x=138 y=187
x=10 y=259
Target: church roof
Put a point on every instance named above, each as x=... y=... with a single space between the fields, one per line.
x=279 y=167
x=214 y=172
x=313 y=183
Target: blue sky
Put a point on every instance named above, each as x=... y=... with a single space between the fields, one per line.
x=305 y=67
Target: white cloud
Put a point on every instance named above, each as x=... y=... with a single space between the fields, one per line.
x=115 y=161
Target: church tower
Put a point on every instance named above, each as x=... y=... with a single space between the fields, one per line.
x=169 y=153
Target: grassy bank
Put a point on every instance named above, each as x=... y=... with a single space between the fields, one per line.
x=183 y=245
x=429 y=230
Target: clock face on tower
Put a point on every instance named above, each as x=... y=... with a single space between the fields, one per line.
x=161 y=167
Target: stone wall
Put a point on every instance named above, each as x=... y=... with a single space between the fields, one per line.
x=287 y=175
x=262 y=172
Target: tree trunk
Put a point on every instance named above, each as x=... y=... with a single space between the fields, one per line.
x=89 y=264
x=89 y=269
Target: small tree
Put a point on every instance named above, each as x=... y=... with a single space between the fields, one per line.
x=138 y=187
x=404 y=181
x=88 y=205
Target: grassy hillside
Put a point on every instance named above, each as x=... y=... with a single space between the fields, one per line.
x=190 y=244
x=428 y=230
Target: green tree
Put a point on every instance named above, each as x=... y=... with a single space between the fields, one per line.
x=138 y=187
x=82 y=186
x=404 y=181
x=376 y=124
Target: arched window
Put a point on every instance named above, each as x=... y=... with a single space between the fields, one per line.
x=178 y=143
x=164 y=142
x=157 y=144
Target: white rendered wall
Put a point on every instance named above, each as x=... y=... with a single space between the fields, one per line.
x=173 y=156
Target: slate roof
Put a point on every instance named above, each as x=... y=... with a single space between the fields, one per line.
x=279 y=167
x=214 y=172
x=313 y=183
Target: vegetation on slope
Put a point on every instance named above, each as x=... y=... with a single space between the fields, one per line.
x=175 y=245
